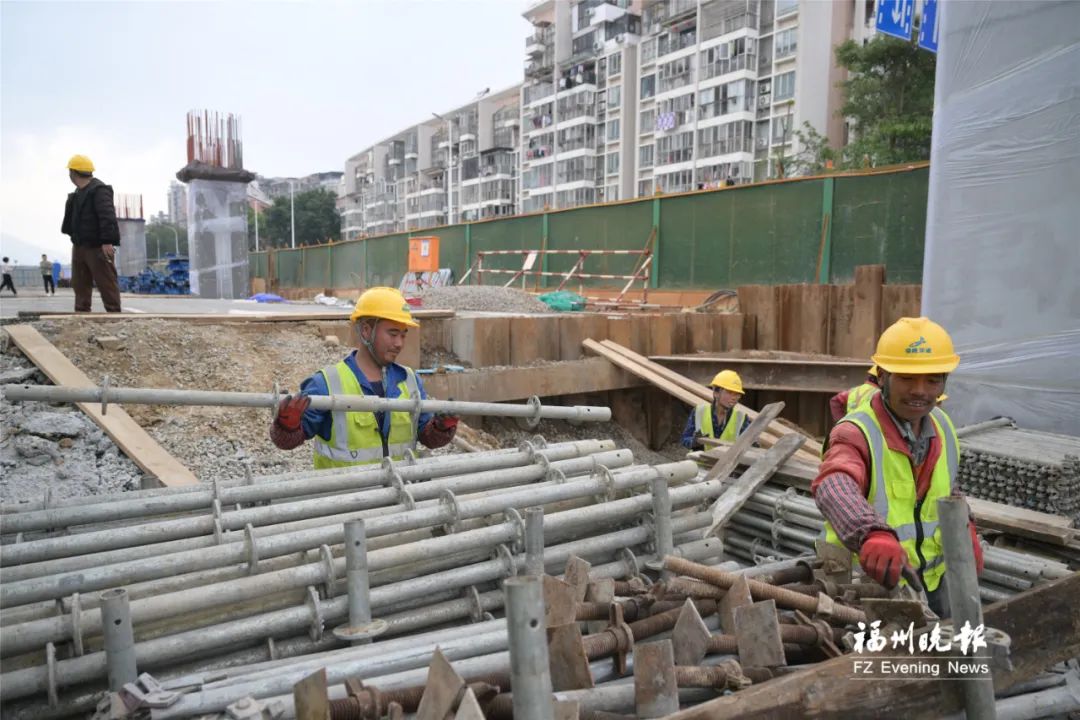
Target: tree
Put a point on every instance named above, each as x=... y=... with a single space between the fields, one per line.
x=815 y=156
x=317 y=220
x=160 y=240
x=889 y=98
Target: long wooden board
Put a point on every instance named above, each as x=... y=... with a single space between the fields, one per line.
x=688 y=391
x=570 y=377
x=213 y=318
x=117 y=424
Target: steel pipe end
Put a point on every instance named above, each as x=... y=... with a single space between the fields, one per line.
x=361 y=632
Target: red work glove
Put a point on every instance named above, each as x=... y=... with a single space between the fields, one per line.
x=976 y=546
x=291 y=410
x=882 y=558
x=445 y=423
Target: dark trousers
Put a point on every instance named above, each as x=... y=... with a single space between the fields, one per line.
x=90 y=267
x=49 y=285
x=8 y=284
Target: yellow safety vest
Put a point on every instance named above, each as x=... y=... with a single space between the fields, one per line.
x=703 y=423
x=893 y=492
x=859 y=395
x=355 y=438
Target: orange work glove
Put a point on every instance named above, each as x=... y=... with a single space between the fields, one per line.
x=976 y=547
x=291 y=411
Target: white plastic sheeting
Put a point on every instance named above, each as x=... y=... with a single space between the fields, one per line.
x=1003 y=222
x=131 y=253
x=217 y=238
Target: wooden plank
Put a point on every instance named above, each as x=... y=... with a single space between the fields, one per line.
x=899 y=301
x=135 y=442
x=482 y=341
x=749 y=482
x=732 y=328
x=692 y=393
x=1042 y=624
x=703 y=393
x=534 y=338
x=215 y=318
x=681 y=342
x=730 y=458
x=699 y=332
x=592 y=375
x=575 y=328
x=762 y=301
x=661 y=334
x=629 y=331
x=866 y=316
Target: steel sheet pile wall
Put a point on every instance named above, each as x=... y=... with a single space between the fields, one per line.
x=769 y=233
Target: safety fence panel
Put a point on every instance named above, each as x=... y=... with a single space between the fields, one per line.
x=453 y=248
x=625 y=226
x=317 y=264
x=287 y=267
x=257 y=265
x=347 y=269
x=518 y=233
x=880 y=219
x=387 y=259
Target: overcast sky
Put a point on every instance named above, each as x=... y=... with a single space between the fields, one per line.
x=313 y=82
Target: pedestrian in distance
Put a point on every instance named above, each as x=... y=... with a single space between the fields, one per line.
x=90 y=222
x=47 y=275
x=8 y=283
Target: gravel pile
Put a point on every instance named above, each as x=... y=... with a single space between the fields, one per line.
x=54 y=447
x=482 y=298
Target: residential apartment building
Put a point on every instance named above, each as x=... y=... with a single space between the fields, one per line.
x=620 y=99
x=460 y=165
x=177 y=203
x=276 y=187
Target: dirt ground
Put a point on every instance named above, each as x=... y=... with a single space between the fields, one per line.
x=216 y=442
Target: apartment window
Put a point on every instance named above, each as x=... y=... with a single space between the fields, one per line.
x=645 y=156
x=536 y=203
x=648 y=121
x=470 y=194
x=648 y=86
x=577 y=137
x=582 y=168
x=648 y=50
x=614 y=96
x=680 y=181
x=675 y=74
x=675 y=112
x=613 y=129
x=723 y=99
x=786 y=43
x=574 y=198
x=786 y=7
x=537 y=177
x=611 y=193
x=726 y=138
x=614 y=64
x=675 y=148
x=784 y=86
x=780 y=131
x=612 y=163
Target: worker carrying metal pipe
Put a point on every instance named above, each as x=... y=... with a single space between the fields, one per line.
x=846 y=401
x=379 y=324
x=722 y=418
x=888 y=461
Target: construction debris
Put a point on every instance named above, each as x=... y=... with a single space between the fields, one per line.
x=482 y=298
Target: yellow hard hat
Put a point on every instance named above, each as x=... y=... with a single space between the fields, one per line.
x=80 y=163
x=872 y=371
x=385 y=304
x=918 y=346
x=728 y=380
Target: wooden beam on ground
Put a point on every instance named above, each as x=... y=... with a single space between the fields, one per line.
x=688 y=391
x=736 y=495
x=135 y=442
x=729 y=459
x=1042 y=623
x=789 y=373
x=520 y=383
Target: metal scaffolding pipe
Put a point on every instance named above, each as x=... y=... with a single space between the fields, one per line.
x=57 y=586
x=202 y=497
x=533 y=410
x=530 y=675
x=30 y=635
x=119 y=639
x=534 y=541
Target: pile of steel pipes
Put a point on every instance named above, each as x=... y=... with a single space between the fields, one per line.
x=779 y=523
x=1023 y=468
x=236 y=574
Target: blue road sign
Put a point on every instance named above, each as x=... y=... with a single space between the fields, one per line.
x=894 y=17
x=929 y=26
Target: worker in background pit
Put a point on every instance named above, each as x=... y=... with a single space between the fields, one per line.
x=888 y=462
x=720 y=419
x=844 y=402
x=380 y=323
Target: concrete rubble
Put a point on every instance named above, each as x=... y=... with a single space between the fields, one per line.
x=482 y=298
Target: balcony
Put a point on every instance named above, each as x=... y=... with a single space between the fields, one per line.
x=679 y=10
x=730 y=65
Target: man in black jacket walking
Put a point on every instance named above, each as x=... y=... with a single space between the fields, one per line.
x=90 y=221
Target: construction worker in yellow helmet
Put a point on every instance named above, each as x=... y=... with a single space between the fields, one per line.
x=889 y=461
x=722 y=418
x=380 y=323
x=844 y=402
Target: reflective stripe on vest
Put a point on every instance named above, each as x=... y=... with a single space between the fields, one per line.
x=860 y=394
x=355 y=438
x=899 y=482
x=703 y=423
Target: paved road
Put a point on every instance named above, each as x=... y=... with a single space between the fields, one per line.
x=35 y=300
